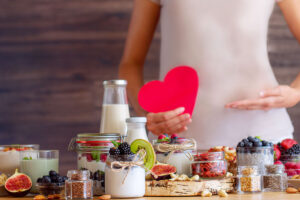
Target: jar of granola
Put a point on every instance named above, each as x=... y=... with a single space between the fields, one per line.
x=79 y=185
x=275 y=180
x=248 y=179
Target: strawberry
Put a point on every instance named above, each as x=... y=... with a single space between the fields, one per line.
x=289 y=165
x=174 y=136
x=297 y=166
x=288 y=143
x=278 y=162
x=277 y=153
x=161 y=137
x=103 y=157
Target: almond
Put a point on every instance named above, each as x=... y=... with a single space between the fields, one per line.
x=105 y=197
x=39 y=197
x=206 y=193
x=291 y=190
x=222 y=193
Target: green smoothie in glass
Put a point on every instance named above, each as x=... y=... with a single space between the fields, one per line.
x=38 y=164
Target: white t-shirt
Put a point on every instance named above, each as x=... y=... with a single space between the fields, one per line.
x=226 y=42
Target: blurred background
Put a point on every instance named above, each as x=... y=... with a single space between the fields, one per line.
x=55 y=54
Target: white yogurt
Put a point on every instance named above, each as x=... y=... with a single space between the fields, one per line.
x=178 y=160
x=93 y=165
x=133 y=186
x=113 y=118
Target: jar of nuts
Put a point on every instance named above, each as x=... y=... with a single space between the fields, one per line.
x=248 y=179
x=79 y=185
x=275 y=180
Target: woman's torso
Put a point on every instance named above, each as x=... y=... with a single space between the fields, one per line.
x=226 y=42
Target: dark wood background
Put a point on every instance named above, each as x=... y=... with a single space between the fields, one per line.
x=54 y=55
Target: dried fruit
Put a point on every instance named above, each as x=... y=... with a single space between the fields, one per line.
x=206 y=193
x=105 y=197
x=39 y=197
x=18 y=185
x=162 y=171
x=291 y=190
x=222 y=193
x=150 y=157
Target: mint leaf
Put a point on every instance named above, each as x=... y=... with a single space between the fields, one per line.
x=116 y=144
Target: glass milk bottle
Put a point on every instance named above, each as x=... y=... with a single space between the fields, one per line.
x=115 y=108
x=136 y=129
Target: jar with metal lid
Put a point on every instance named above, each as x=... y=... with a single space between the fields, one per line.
x=178 y=154
x=275 y=179
x=249 y=179
x=92 y=151
x=209 y=164
x=115 y=109
x=79 y=185
x=136 y=129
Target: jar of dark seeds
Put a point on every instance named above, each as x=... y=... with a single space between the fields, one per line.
x=248 y=179
x=79 y=185
x=275 y=180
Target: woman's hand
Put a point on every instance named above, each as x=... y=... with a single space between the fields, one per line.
x=168 y=122
x=280 y=97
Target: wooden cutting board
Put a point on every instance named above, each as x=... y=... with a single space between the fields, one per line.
x=188 y=188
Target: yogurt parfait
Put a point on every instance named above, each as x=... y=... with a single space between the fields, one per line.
x=175 y=151
x=125 y=169
x=11 y=155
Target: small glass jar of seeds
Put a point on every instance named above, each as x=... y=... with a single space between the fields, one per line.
x=275 y=180
x=248 y=179
x=79 y=185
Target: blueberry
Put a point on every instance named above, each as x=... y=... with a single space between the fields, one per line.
x=241 y=144
x=257 y=144
x=54 y=179
x=65 y=178
x=249 y=144
x=39 y=180
x=46 y=179
x=96 y=175
x=264 y=143
x=251 y=139
x=245 y=141
x=60 y=179
x=52 y=173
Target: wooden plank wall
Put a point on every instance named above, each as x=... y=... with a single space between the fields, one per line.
x=54 y=54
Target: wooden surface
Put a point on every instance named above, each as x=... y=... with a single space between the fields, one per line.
x=187 y=188
x=259 y=196
x=54 y=54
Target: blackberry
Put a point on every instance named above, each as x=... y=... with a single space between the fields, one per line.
x=295 y=149
x=124 y=148
x=114 y=151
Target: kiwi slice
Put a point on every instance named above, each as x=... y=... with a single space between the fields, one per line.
x=150 y=157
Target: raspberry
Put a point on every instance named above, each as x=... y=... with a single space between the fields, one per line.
x=161 y=137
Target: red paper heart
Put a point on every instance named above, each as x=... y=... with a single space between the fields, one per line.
x=179 y=89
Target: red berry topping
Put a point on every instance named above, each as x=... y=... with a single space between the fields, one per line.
x=278 y=162
x=288 y=143
x=89 y=157
x=277 y=153
x=174 y=136
x=103 y=157
x=161 y=137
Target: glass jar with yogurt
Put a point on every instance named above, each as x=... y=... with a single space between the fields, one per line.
x=10 y=157
x=136 y=129
x=181 y=159
x=92 y=151
x=126 y=182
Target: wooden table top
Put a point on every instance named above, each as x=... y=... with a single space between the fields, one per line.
x=259 y=196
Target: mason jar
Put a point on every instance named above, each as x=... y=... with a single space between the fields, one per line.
x=92 y=151
x=126 y=183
